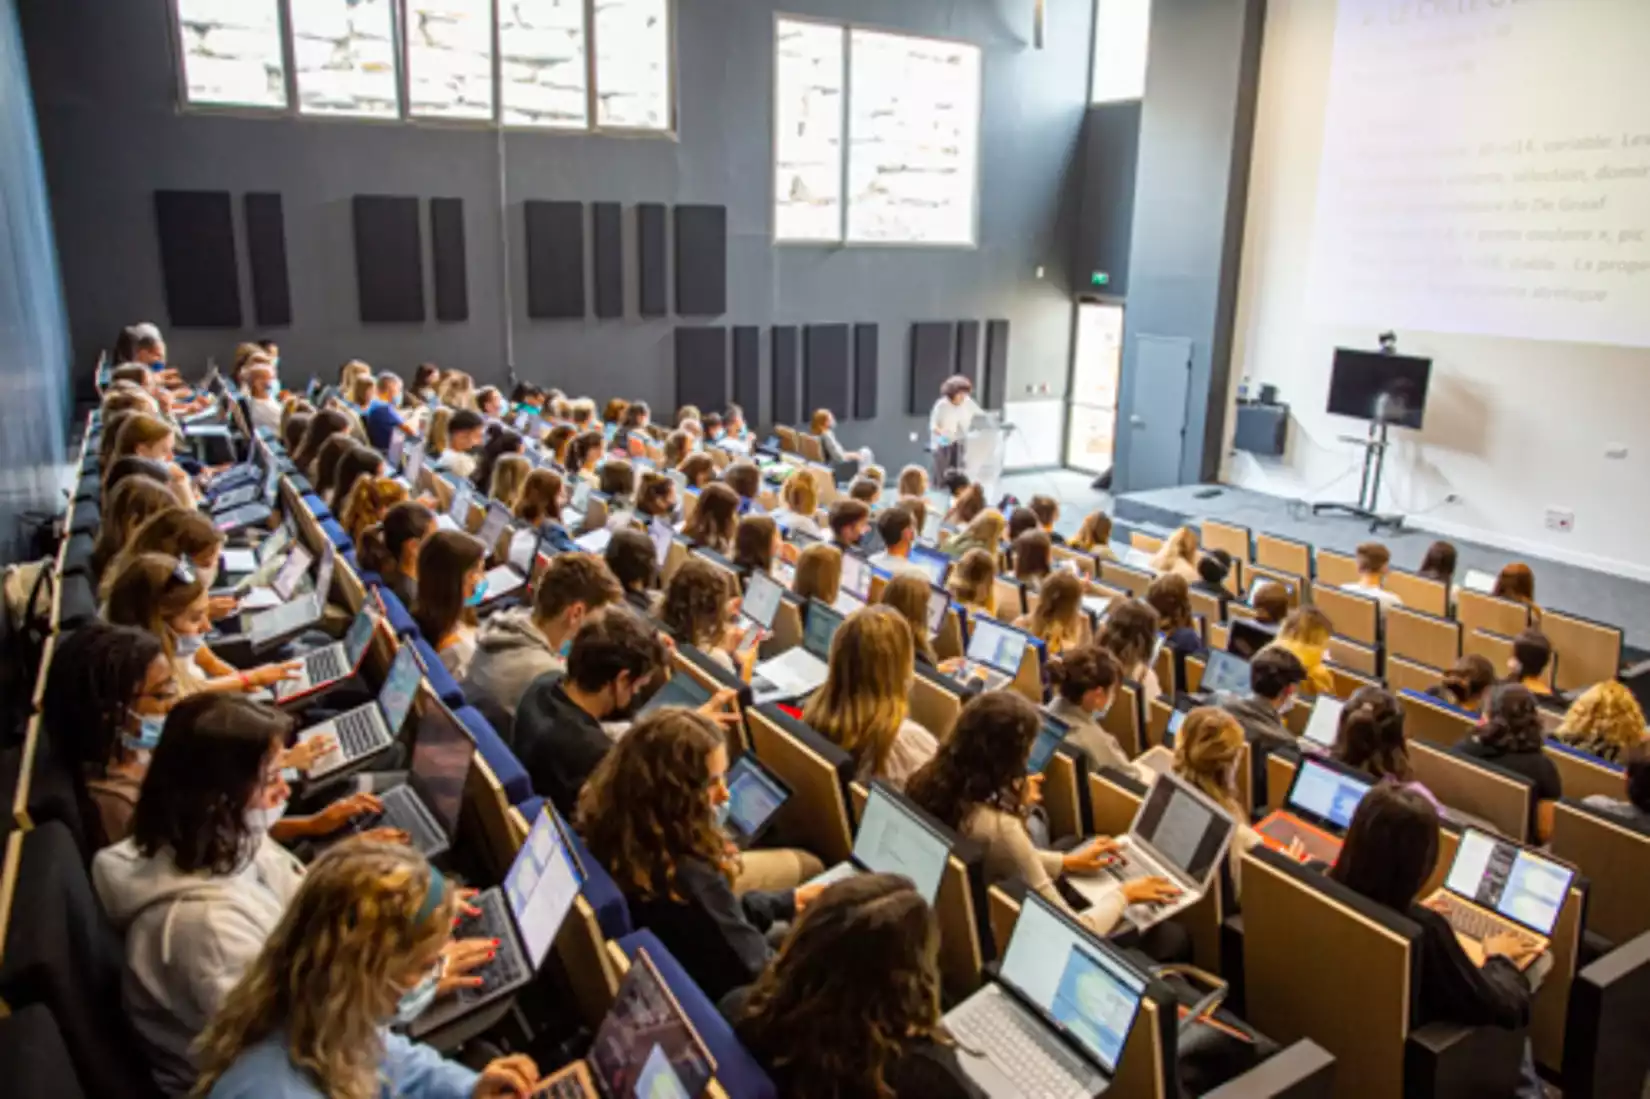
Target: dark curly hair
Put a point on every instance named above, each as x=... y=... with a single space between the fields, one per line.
x=695 y=607
x=1514 y=720
x=983 y=762
x=646 y=807
x=1370 y=735
x=714 y=519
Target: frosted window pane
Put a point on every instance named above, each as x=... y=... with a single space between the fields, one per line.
x=344 y=51
x=1122 y=29
x=807 y=165
x=232 y=52
x=633 y=64
x=913 y=139
x=450 y=58
x=542 y=63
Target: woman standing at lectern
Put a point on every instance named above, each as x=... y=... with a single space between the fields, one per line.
x=948 y=423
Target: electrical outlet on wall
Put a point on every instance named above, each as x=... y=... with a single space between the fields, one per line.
x=1562 y=520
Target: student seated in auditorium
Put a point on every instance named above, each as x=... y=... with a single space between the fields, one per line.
x=865 y=704
x=1170 y=596
x=1059 y=621
x=631 y=558
x=898 y=533
x=1531 y=653
x=1177 y=555
x=1085 y=686
x=867 y=491
x=142 y=436
x=528 y=398
x=977 y=785
x=465 y=432
x=1517 y=583
x=1511 y=737
x=737 y=436
x=984 y=531
x=746 y=481
x=967 y=501
x=1466 y=685
x=758 y=545
x=656 y=498
x=1212 y=570
x=358 y=463
x=849 y=521
x=1047 y=511
x=490 y=402
x=699 y=609
x=134 y=501
x=539 y=505
x=1093 y=536
x=1275 y=677
x=583 y=455
x=1020 y=520
x=382 y=417
x=1206 y=754
x=699 y=470
x=912 y=481
x=648 y=816
x=1129 y=634
x=327 y=463
x=823 y=424
x=391 y=548
x=510 y=475
x=714 y=520
x=632 y=437
x=1370 y=738
x=1605 y=721
x=369 y=502
x=617 y=481
x=452 y=583
x=500 y=441
x=1032 y=555
x=818 y=573
x=1373 y=561
x=1271 y=605
x=261 y=398
x=1306 y=633
x=187 y=535
x=851 y=1004
x=367 y=941
x=1635 y=808
x=516 y=646
x=1439 y=563
x=908 y=594
x=799 y=505
x=973 y=583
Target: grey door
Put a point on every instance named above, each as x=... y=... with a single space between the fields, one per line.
x=1157 y=413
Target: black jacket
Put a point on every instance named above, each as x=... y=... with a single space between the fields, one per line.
x=1453 y=990
x=1534 y=766
x=720 y=939
x=557 y=742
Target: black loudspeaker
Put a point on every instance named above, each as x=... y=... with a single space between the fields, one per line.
x=747 y=371
x=608 y=257
x=197 y=258
x=555 y=259
x=266 y=252
x=389 y=259
x=968 y=350
x=933 y=360
x=865 y=371
x=452 y=281
x=653 y=275
x=701 y=260
x=995 y=389
x=701 y=367
x=825 y=371
x=787 y=391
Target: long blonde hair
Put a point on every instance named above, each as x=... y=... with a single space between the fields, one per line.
x=908 y=594
x=1058 y=619
x=324 y=978
x=865 y=698
x=509 y=475
x=986 y=528
x=974 y=581
x=1181 y=546
x=819 y=573
x=1207 y=745
x=436 y=436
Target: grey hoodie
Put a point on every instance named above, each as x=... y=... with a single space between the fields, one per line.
x=189 y=937
x=510 y=654
x=1260 y=719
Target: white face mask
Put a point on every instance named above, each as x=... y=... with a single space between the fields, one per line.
x=260 y=820
x=188 y=644
x=209 y=574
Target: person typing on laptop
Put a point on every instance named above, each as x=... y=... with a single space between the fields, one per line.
x=1275 y=676
x=391 y=548
x=700 y=608
x=898 y=531
x=452 y=574
x=1206 y=755
x=1129 y=634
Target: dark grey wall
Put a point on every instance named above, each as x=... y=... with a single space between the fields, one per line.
x=34 y=348
x=1111 y=146
x=112 y=135
x=1196 y=126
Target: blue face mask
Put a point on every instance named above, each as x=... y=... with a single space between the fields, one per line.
x=188 y=644
x=566 y=647
x=148 y=734
x=419 y=997
x=475 y=598
x=1100 y=714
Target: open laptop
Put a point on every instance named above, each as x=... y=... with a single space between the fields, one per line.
x=457 y=515
x=283 y=623
x=934 y=563
x=1325 y=723
x=1224 y=674
x=939 y=601
x=645 y=1048
x=413 y=466
x=856 y=577
x=370 y=728
x=1495 y=886
x=427 y=805
x=1178 y=834
x=258 y=509
x=1050 y=735
x=803 y=669
x=572 y=516
x=1247 y=638
x=1479 y=581
x=331 y=664
x=493 y=527
x=1055 y=1017
x=1317 y=810
x=244 y=483
x=524 y=915
x=894 y=838
x=755 y=796
x=680 y=689
x=252 y=563
x=283 y=585
x=1135 y=558
x=397 y=448
x=994 y=654
x=759 y=608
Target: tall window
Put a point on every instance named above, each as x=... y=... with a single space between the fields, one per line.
x=632 y=64
x=545 y=74
x=909 y=170
x=450 y=58
x=231 y=51
x=345 y=56
x=1122 y=31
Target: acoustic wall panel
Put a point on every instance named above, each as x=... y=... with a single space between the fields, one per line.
x=701 y=367
x=266 y=253
x=608 y=258
x=825 y=376
x=389 y=259
x=968 y=350
x=747 y=371
x=197 y=258
x=933 y=359
x=865 y=371
x=995 y=389
x=452 y=280
x=787 y=390
x=653 y=297
x=701 y=260
x=555 y=259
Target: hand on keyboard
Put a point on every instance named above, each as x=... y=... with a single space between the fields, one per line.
x=385 y=835
x=1150 y=891
x=463 y=957
x=346 y=810
x=1092 y=858
x=304 y=754
x=512 y=1077
x=327 y=758
x=466 y=909
x=1515 y=948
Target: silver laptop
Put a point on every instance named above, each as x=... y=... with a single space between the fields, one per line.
x=1494 y=886
x=1056 y=1017
x=759 y=608
x=893 y=838
x=1479 y=581
x=572 y=516
x=413 y=468
x=801 y=670
x=397 y=447
x=332 y=663
x=427 y=805
x=493 y=527
x=994 y=654
x=856 y=576
x=252 y=562
x=1224 y=674
x=1178 y=834
x=457 y=515
x=939 y=601
x=370 y=728
x=1325 y=723
x=755 y=796
x=283 y=623
x=283 y=585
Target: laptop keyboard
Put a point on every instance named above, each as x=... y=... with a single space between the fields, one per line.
x=568 y=1087
x=1018 y=1047
x=404 y=810
x=507 y=966
x=1473 y=923
x=325 y=665
x=359 y=732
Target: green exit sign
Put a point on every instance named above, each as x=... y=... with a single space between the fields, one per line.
x=1099 y=278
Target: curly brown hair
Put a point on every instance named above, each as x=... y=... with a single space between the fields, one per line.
x=695 y=606
x=855 y=985
x=983 y=762
x=1170 y=596
x=646 y=808
x=714 y=519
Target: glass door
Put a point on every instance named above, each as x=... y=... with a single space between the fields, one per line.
x=1091 y=417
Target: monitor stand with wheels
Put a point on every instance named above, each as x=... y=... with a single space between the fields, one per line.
x=1369 y=489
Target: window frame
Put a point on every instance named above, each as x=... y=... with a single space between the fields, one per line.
x=180 y=70
x=404 y=73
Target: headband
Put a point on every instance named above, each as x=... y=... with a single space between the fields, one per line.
x=432 y=897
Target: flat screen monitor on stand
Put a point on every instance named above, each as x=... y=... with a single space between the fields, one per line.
x=1385 y=389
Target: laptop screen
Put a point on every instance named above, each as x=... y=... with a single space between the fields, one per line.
x=284 y=619
x=524 y=544
x=1181 y=827
x=754 y=796
x=1325 y=722
x=540 y=886
x=1479 y=581
x=821 y=627
x=856 y=576
x=1176 y=720
x=995 y=644
x=492 y=529
x=358 y=637
x=644 y=1026
x=1326 y=793
x=275 y=544
x=1519 y=884
x=1050 y=735
x=931 y=561
x=415 y=462
x=939 y=601
x=296 y=565
x=894 y=840
x=398 y=443
x=400 y=685
x=1074 y=980
x=594 y=541
x=1248 y=638
x=323 y=575
x=662 y=535
x=441 y=762
x=680 y=689
x=1225 y=674
x=458 y=509
x=762 y=598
